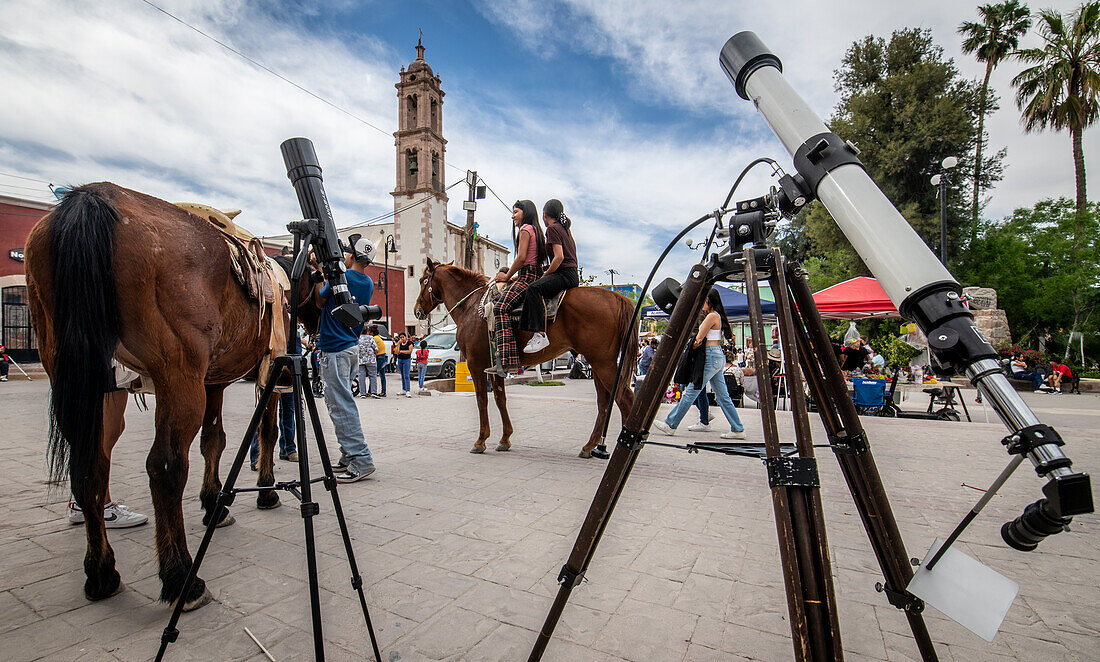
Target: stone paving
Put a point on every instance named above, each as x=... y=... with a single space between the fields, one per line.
x=460 y=552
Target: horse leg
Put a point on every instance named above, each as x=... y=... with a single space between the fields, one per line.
x=268 y=433
x=212 y=444
x=603 y=396
x=103 y=580
x=502 y=406
x=481 y=382
x=181 y=403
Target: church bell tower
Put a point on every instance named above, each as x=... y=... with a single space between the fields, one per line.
x=419 y=199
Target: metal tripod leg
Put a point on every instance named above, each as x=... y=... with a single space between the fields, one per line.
x=295 y=366
x=635 y=429
x=847 y=438
x=796 y=498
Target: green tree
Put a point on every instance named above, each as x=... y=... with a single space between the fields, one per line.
x=1061 y=90
x=991 y=40
x=906 y=107
x=1044 y=280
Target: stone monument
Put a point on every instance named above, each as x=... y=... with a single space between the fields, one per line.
x=991 y=320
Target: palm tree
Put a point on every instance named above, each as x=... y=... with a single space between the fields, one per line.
x=1061 y=90
x=991 y=40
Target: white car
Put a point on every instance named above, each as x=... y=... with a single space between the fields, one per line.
x=442 y=355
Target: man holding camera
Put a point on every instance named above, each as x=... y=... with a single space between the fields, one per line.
x=339 y=361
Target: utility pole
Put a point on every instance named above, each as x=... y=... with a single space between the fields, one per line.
x=612 y=272
x=470 y=205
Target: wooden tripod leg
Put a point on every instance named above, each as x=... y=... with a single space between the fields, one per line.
x=802 y=544
x=847 y=438
x=635 y=430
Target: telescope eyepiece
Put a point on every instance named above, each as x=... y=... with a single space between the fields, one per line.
x=1039 y=520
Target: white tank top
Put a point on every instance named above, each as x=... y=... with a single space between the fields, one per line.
x=714 y=334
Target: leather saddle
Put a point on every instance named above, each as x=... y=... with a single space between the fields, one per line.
x=493 y=292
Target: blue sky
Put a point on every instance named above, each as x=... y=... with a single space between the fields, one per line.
x=616 y=107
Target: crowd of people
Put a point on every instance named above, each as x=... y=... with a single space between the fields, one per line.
x=1041 y=379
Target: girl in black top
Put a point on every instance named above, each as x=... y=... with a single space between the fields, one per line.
x=403 y=352
x=561 y=253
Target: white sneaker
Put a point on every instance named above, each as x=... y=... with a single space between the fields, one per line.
x=733 y=435
x=408 y=394
x=538 y=342
x=115 y=516
x=664 y=427
x=699 y=427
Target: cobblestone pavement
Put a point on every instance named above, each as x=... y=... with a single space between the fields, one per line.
x=460 y=552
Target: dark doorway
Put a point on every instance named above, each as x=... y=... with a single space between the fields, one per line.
x=18 y=335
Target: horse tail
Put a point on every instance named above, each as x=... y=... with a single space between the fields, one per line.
x=628 y=333
x=85 y=332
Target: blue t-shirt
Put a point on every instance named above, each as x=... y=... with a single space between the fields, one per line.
x=334 y=336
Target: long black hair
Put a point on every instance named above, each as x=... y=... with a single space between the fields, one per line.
x=715 y=301
x=530 y=217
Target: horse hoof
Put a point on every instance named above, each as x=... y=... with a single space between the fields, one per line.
x=228 y=520
x=206 y=598
x=585 y=454
x=268 y=501
x=503 y=447
x=478 y=450
x=118 y=589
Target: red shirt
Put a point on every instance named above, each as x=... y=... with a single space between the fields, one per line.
x=1064 y=369
x=422 y=356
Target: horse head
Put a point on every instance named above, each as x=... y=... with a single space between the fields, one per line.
x=430 y=296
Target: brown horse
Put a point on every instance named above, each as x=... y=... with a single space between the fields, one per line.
x=591 y=321
x=113 y=273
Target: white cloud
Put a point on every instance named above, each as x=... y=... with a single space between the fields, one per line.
x=123 y=93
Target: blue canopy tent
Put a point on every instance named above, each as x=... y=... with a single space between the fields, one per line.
x=735 y=303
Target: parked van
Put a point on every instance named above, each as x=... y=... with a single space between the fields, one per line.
x=442 y=354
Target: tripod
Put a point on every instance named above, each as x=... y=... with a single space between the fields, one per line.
x=296 y=366
x=793 y=480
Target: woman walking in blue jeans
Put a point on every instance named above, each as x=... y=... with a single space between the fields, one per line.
x=403 y=350
x=714 y=326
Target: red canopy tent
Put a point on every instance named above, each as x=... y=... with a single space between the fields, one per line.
x=856 y=298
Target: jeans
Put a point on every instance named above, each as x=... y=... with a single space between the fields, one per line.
x=338 y=369
x=371 y=368
x=286 y=431
x=383 y=359
x=702 y=401
x=533 y=317
x=712 y=373
x=421 y=369
x=404 y=365
x=1036 y=378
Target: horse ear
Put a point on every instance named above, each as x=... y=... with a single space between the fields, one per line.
x=451 y=263
x=432 y=264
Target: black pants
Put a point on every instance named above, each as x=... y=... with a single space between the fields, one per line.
x=533 y=318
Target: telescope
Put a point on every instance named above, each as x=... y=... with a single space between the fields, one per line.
x=924 y=291
x=304 y=172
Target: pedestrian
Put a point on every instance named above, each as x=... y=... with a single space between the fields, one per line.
x=561 y=274
x=339 y=360
x=1021 y=370
x=1058 y=373
x=382 y=354
x=367 y=362
x=403 y=352
x=647 y=356
x=422 y=362
x=714 y=326
x=4 y=363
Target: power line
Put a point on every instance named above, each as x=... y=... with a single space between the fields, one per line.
x=29 y=179
x=506 y=207
x=267 y=69
x=393 y=213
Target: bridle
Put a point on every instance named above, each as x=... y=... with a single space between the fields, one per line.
x=437 y=300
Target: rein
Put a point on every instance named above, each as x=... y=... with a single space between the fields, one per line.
x=457 y=304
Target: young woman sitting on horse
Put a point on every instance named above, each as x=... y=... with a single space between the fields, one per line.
x=561 y=274
x=526 y=269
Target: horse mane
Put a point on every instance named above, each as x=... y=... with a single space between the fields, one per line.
x=465 y=273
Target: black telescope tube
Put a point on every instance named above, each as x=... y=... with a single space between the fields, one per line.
x=917 y=283
x=304 y=172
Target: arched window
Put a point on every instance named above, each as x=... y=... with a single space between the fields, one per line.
x=435 y=116
x=411 y=168
x=410 y=111
x=435 y=172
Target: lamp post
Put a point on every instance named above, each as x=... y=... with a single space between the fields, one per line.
x=612 y=273
x=940 y=179
x=389 y=247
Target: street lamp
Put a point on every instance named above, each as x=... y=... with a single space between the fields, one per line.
x=940 y=179
x=612 y=272
x=390 y=247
